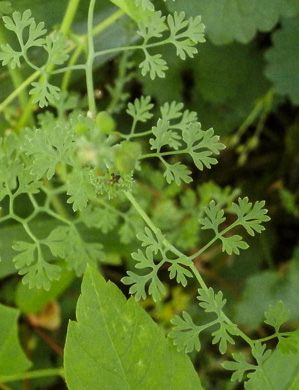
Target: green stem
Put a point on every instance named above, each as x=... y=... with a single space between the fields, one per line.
x=33 y=374
x=96 y=30
x=158 y=154
x=19 y=90
x=89 y=62
x=68 y=19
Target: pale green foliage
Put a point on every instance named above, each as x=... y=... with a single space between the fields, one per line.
x=277 y=315
x=152 y=260
x=184 y=34
x=55 y=45
x=79 y=169
x=141 y=108
x=248 y=215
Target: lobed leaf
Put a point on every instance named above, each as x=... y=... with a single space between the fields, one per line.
x=251 y=216
x=185 y=34
x=155 y=65
x=176 y=270
x=164 y=136
x=240 y=366
x=141 y=108
x=185 y=333
x=177 y=172
x=79 y=188
x=215 y=217
x=232 y=244
x=10 y=57
x=201 y=145
x=277 y=315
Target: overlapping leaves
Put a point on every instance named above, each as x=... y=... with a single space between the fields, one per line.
x=184 y=34
x=31 y=35
x=250 y=216
x=150 y=261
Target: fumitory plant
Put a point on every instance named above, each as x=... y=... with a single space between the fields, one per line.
x=76 y=196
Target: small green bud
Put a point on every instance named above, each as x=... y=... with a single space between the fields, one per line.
x=126 y=155
x=105 y=122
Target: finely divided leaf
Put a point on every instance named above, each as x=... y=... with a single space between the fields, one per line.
x=215 y=217
x=240 y=366
x=232 y=244
x=277 y=315
x=79 y=188
x=141 y=108
x=201 y=145
x=185 y=333
x=115 y=345
x=49 y=147
x=185 y=34
x=66 y=243
x=12 y=358
x=176 y=270
x=177 y=172
x=251 y=216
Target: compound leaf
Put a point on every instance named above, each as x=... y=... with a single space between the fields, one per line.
x=120 y=346
x=12 y=358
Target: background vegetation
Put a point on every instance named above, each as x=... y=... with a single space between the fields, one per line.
x=244 y=82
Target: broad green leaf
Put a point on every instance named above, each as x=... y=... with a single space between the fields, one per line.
x=115 y=345
x=273 y=287
x=135 y=9
x=12 y=358
x=228 y=20
x=282 y=58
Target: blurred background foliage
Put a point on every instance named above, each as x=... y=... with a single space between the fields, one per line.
x=244 y=83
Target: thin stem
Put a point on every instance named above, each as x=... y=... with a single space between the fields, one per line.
x=33 y=374
x=96 y=30
x=89 y=62
x=19 y=90
x=158 y=154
